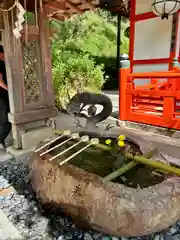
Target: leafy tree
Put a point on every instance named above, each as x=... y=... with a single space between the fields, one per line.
x=81 y=49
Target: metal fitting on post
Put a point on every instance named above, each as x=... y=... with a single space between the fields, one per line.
x=124 y=61
x=175 y=62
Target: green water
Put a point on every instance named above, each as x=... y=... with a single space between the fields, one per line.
x=102 y=162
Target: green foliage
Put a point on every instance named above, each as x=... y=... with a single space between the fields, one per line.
x=80 y=46
x=73 y=73
x=30 y=18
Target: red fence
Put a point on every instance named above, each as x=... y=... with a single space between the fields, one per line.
x=156 y=103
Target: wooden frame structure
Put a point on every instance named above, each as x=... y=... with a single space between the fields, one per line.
x=148 y=16
x=28 y=59
x=150 y=90
x=155 y=103
x=29 y=76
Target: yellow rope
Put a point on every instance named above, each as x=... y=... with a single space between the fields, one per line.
x=9 y=9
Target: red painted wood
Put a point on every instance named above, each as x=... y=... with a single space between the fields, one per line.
x=144 y=16
x=151 y=61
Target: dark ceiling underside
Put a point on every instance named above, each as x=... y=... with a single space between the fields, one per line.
x=64 y=9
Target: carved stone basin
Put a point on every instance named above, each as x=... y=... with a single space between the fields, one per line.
x=109 y=207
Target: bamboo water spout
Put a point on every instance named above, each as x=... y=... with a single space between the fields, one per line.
x=119 y=172
x=109 y=207
x=155 y=164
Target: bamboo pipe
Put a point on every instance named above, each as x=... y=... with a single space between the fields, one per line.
x=152 y=163
x=126 y=167
x=143 y=160
x=120 y=171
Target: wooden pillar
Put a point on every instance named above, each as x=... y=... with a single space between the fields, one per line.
x=14 y=68
x=30 y=87
x=46 y=56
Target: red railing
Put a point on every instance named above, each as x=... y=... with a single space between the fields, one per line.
x=156 y=103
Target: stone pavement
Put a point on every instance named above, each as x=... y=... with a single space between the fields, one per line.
x=7 y=230
x=4 y=156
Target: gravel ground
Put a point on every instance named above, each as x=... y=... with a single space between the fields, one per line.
x=34 y=223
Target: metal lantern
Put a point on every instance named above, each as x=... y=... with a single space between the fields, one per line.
x=164 y=8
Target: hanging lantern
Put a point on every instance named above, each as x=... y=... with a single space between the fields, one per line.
x=164 y=8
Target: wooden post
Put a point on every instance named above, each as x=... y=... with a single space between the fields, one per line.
x=122 y=94
x=46 y=57
x=14 y=68
x=29 y=75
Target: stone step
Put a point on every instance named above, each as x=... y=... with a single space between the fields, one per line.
x=7 y=230
x=4 y=156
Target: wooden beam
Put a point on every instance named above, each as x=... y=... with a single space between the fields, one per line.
x=50 y=11
x=59 y=14
x=32 y=33
x=31 y=30
x=57 y=17
x=74 y=7
x=31 y=116
x=63 y=14
x=52 y=1
x=57 y=6
x=89 y=4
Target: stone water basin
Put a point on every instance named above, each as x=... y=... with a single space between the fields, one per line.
x=136 y=204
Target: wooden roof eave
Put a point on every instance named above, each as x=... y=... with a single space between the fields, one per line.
x=63 y=9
